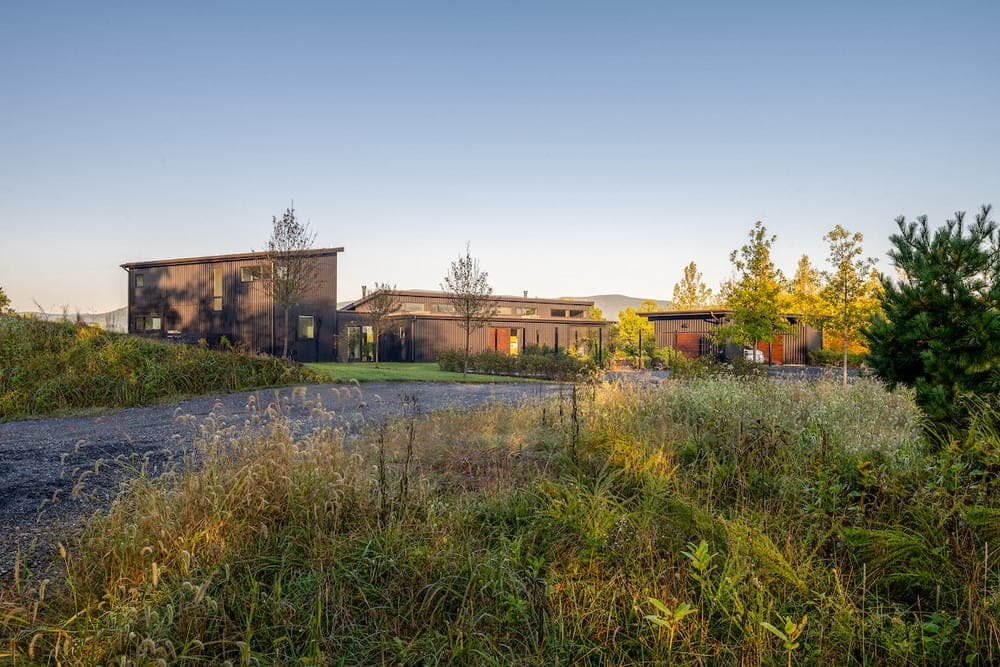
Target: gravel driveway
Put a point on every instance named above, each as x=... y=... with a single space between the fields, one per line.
x=42 y=460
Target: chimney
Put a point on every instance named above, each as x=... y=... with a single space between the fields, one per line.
x=364 y=291
x=525 y=294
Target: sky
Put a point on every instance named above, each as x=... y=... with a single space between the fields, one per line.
x=578 y=148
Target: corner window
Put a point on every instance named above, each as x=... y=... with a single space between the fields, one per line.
x=144 y=323
x=216 y=288
x=140 y=280
x=249 y=274
x=307 y=327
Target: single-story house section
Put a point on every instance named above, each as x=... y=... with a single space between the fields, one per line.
x=689 y=332
x=220 y=296
x=426 y=324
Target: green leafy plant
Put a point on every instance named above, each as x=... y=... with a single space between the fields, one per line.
x=788 y=634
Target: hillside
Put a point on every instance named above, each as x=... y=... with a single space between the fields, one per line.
x=612 y=304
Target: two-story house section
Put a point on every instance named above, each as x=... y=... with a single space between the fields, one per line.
x=220 y=296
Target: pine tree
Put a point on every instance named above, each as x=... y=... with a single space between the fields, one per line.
x=691 y=293
x=940 y=326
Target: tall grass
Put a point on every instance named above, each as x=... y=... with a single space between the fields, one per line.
x=704 y=522
x=51 y=366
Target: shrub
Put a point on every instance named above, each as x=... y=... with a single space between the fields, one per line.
x=51 y=366
x=829 y=357
x=534 y=361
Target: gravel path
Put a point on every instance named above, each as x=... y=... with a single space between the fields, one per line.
x=42 y=460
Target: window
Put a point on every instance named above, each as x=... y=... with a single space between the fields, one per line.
x=411 y=307
x=148 y=323
x=248 y=274
x=216 y=288
x=442 y=308
x=558 y=312
x=527 y=312
x=307 y=327
x=140 y=280
x=504 y=310
x=576 y=313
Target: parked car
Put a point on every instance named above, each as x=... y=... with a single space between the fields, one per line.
x=750 y=354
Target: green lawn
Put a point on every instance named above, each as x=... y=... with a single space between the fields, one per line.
x=401 y=371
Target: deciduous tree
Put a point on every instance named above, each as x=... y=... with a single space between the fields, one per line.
x=847 y=293
x=291 y=273
x=753 y=296
x=4 y=300
x=939 y=329
x=468 y=289
x=691 y=293
x=381 y=305
x=803 y=295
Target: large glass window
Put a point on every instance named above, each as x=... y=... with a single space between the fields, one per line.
x=558 y=312
x=148 y=323
x=504 y=310
x=412 y=307
x=216 y=288
x=527 y=312
x=307 y=327
x=248 y=274
x=442 y=308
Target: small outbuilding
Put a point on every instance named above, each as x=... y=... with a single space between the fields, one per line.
x=691 y=333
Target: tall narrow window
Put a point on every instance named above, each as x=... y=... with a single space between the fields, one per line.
x=140 y=280
x=216 y=288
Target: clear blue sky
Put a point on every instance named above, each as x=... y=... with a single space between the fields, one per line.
x=580 y=147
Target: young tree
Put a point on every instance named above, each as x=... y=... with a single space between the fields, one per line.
x=291 y=273
x=691 y=293
x=753 y=295
x=939 y=329
x=804 y=294
x=468 y=290
x=626 y=333
x=381 y=305
x=846 y=294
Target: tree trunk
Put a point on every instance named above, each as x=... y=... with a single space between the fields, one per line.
x=465 y=364
x=844 y=342
x=375 y=335
x=284 y=348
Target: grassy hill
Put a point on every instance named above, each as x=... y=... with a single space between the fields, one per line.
x=47 y=367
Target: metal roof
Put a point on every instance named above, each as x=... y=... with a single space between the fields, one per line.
x=208 y=259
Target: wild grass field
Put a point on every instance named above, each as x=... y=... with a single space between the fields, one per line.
x=49 y=367
x=704 y=522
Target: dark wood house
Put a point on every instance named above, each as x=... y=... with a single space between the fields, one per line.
x=426 y=324
x=690 y=333
x=220 y=296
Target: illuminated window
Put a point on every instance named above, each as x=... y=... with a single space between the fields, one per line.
x=307 y=326
x=505 y=310
x=146 y=323
x=216 y=288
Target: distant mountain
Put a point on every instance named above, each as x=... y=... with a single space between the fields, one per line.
x=612 y=304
